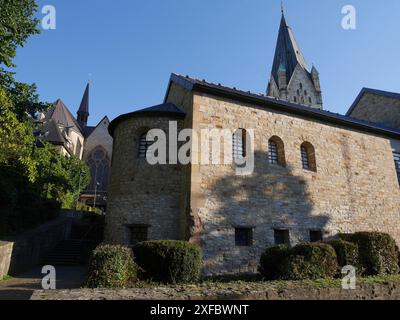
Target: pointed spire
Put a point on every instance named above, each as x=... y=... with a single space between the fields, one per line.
x=282 y=8
x=83 y=111
x=287 y=52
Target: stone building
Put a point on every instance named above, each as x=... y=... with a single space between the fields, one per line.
x=72 y=136
x=316 y=174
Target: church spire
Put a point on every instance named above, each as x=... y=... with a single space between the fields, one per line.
x=301 y=88
x=83 y=111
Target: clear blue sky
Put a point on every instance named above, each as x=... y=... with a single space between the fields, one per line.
x=130 y=47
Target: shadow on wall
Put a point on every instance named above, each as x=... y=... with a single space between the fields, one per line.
x=244 y=215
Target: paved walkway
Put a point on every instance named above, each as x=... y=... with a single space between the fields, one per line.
x=22 y=286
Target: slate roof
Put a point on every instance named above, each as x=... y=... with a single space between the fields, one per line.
x=261 y=100
x=50 y=132
x=287 y=52
x=84 y=106
x=387 y=94
x=87 y=131
x=165 y=109
x=61 y=115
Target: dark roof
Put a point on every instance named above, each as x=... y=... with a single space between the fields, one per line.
x=61 y=115
x=287 y=52
x=84 y=106
x=87 y=131
x=165 y=109
x=50 y=132
x=191 y=84
x=392 y=95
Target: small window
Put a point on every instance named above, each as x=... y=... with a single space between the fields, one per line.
x=301 y=85
x=276 y=151
x=310 y=100
x=294 y=99
x=308 y=157
x=239 y=144
x=396 y=157
x=272 y=152
x=244 y=237
x=298 y=92
x=316 y=235
x=138 y=233
x=144 y=145
x=305 y=92
x=302 y=99
x=281 y=237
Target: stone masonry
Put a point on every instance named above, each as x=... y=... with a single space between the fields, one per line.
x=354 y=188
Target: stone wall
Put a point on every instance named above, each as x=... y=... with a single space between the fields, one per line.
x=378 y=109
x=5 y=257
x=30 y=247
x=355 y=187
x=139 y=193
x=248 y=291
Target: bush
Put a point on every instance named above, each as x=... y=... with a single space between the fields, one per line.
x=347 y=253
x=271 y=261
x=169 y=261
x=310 y=261
x=377 y=252
x=111 y=267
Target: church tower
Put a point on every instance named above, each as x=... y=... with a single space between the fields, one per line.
x=290 y=79
x=83 y=112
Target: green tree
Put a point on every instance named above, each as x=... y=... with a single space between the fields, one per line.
x=16 y=140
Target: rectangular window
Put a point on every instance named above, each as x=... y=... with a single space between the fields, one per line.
x=281 y=237
x=316 y=235
x=244 y=237
x=273 y=153
x=304 y=158
x=396 y=157
x=239 y=145
x=138 y=233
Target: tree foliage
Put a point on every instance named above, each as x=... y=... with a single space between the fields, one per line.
x=34 y=178
x=17 y=24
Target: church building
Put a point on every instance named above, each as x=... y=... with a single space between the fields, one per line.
x=73 y=136
x=316 y=173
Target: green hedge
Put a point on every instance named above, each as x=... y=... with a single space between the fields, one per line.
x=169 y=261
x=111 y=267
x=310 y=261
x=377 y=252
x=347 y=254
x=271 y=261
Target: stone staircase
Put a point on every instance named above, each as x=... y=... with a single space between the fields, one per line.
x=65 y=253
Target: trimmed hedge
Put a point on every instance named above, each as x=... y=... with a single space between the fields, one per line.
x=169 y=261
x=111 y=266
x=310 y=261
x=377 y=252
x=271 y=261
x=347 y=253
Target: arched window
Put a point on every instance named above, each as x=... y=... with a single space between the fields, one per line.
x=144 y=145
x=276 y=151
x=308 y=157
x=99 y=164
x=239 y=144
